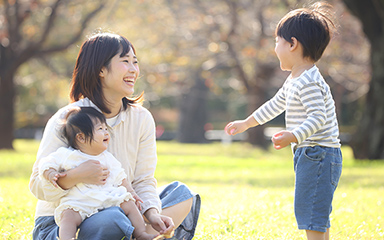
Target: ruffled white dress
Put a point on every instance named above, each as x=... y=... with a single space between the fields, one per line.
x=87 y=199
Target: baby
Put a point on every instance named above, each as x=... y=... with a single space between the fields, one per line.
x=86 y=132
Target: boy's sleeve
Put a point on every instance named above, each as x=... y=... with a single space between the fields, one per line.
x=271 y=109
x=313 y=101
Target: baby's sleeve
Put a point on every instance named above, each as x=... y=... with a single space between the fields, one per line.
x=53 y=160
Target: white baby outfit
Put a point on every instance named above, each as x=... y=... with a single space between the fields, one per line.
x=87 y=199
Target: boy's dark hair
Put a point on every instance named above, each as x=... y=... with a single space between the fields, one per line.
x=81 y=120
x=312 y=27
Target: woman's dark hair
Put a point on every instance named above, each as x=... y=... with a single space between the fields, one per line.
x=81 y=120
x=94 y=54
x=312 y=27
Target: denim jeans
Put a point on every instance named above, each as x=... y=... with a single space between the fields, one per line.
x=318 y=171
x=112 y=224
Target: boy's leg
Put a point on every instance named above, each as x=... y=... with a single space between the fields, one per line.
x=69 y=222
x=317 y=173
x=315 y=235
x=130 y=209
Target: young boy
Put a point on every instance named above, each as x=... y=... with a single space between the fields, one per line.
x=86 y=132
x=311 y=125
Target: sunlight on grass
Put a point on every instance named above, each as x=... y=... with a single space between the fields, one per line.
x=247 y=193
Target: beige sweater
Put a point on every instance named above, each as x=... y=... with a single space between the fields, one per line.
x=133 y=143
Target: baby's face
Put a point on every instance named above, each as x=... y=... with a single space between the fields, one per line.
x=100 y=137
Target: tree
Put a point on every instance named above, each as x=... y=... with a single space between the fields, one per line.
x=232 y=42
x=368 y=141
x=21 y=39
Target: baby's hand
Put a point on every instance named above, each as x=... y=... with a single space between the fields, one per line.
x=53 y=176
x=138 y=200
x=282 y=139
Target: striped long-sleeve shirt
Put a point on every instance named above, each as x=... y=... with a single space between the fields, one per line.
x=310 y=110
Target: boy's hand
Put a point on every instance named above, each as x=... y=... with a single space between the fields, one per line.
x=282 y=139
x=240 y=126
x=235 y=127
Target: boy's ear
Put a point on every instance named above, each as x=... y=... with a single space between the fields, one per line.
x=80 y=137
x=294 y=44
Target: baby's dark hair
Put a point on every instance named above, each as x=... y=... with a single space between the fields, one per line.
x=81 y=120
x=312 y=27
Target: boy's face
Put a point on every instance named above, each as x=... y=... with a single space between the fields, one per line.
x=282 y=50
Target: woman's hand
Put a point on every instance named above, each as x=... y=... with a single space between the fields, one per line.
x=89 y=172
x=92 y=172
x=163 y=224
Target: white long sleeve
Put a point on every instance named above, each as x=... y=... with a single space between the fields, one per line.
x=310 y=110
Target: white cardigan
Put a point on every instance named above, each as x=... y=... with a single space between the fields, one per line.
x=133 y=143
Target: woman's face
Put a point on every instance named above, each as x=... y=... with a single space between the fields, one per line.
x=119 y=79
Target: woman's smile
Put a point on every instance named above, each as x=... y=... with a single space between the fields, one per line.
x=120 y=77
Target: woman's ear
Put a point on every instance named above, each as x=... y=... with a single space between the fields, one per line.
x=80 y=137
x=294 y=44
x=101 y=74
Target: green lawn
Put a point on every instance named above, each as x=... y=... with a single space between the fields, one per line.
x=246 y=193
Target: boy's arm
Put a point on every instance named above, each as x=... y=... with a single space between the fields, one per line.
x=268 y=111
x=240 y=126
x=315 y=111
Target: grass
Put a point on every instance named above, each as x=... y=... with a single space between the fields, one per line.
x=246 y=193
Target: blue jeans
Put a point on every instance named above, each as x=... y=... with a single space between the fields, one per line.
x=318 y=171
x=113 y=224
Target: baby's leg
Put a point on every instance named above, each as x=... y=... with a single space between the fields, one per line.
x=137 y=220
x=69 y=222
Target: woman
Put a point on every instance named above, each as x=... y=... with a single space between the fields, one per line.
x=105 y=74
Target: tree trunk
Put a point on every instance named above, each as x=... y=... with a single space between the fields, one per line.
x=368 y=141
x=257 y=96
x=193 y=114
x=256 y=137
x=7 y=97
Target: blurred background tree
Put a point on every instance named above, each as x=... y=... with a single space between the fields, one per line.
x=228 y=46
x=368 y=141
x=203 y=63
x=34 y=29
